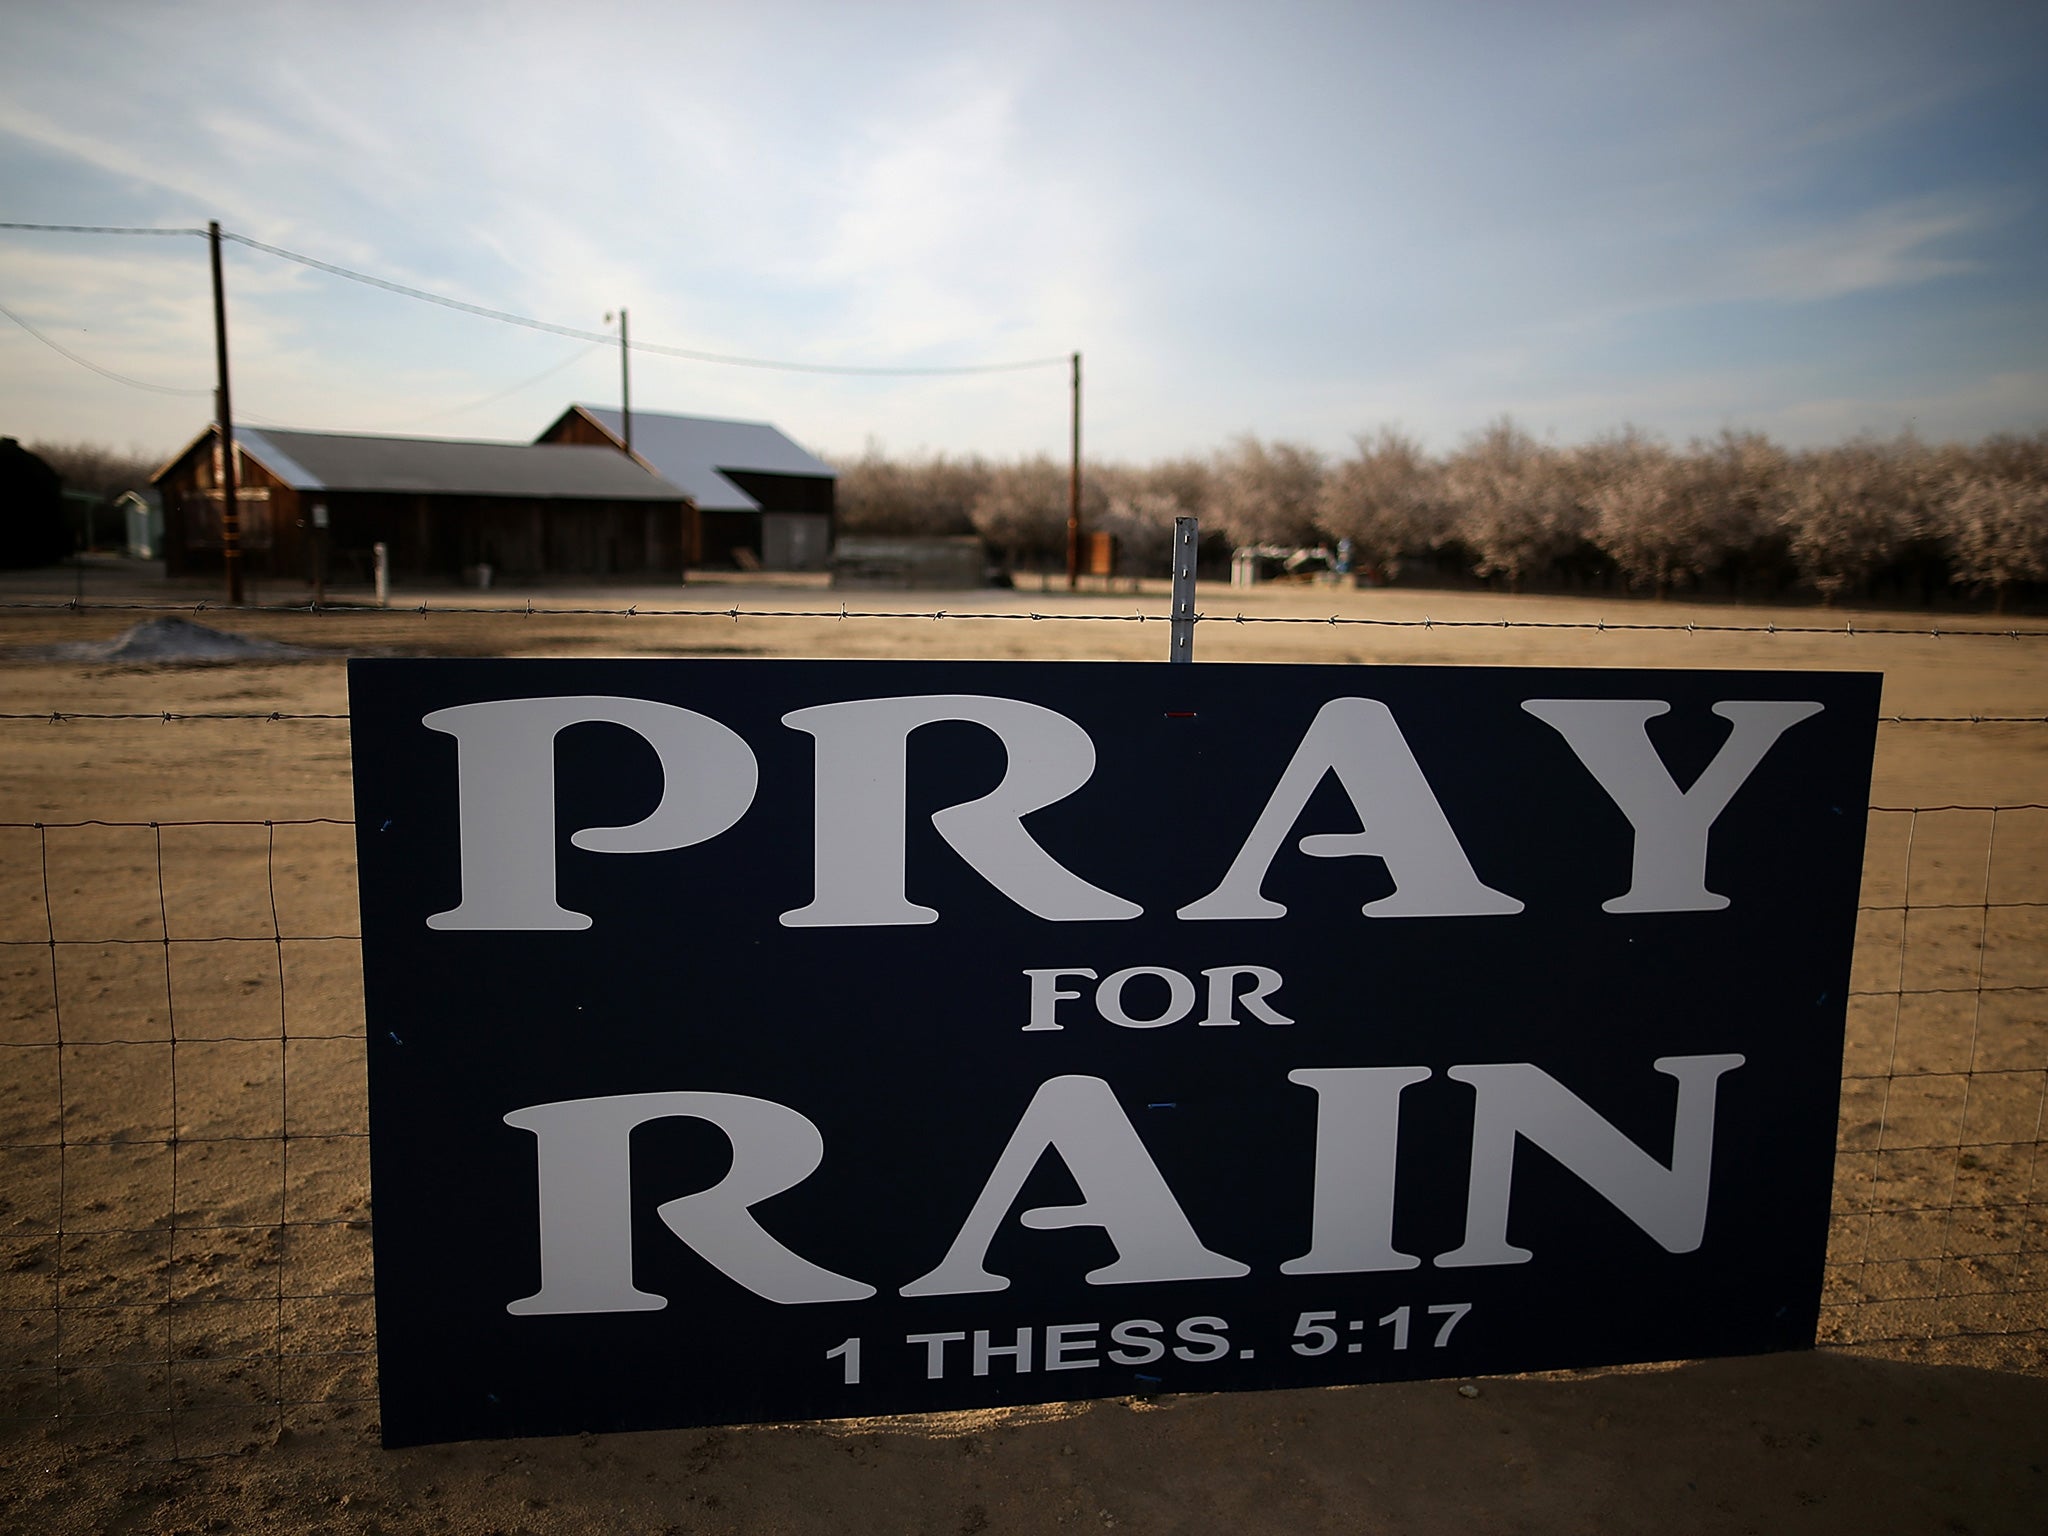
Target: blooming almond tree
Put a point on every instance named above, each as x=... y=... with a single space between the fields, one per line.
x=1022 y=511
x=1140 y=506
x=1849 y=510
x=925 y=497
x=1519 y=504
x=1266 y=493
x=99 y=471
x=1387 y=499
x=1645 y=516
x=1137 y=515
x=1742 y=475
x=1668 y=519
x=1997 y=529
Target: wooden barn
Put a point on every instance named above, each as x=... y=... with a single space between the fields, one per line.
x=444 y=508
x=760 y=499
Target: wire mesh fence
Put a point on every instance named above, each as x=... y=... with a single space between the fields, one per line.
x=1938 y=1230
x=185 y=1264
x=185 y=1199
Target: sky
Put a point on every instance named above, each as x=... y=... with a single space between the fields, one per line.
x=1302 y=221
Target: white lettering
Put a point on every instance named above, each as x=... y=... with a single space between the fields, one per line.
x=1180 y=997
x=1518 y=1099
x=505 y=773
x=934 y=1351
x=1138 y=1342
x=1071 y=1346
x=1047 y=994
x=1224 y=998
x=1611 y=738
x=1401 y=822
x=586 y=1242
x=1223 y=983
x=1121 y=1192
x=986 y=1350
x=1358 y=1132
x=863 y=751
x=1202 y=1338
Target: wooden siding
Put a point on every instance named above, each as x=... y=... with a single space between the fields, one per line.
x=575 y=427
x=435 y=536
x=725 y=534
x=272 y=541
x=811 y=494
x=727 y=538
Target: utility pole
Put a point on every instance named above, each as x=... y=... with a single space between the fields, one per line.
x=625 y=381
x=1074 y=490
x=230 y=505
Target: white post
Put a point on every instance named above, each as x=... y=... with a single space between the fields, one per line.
x=382 y=553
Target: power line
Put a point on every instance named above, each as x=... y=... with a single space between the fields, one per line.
x=99 y=229
x=688 y=353
x=506 y=317
x=548 y=372
x=83 y=362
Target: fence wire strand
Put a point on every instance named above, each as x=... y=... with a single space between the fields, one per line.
x=842 y=613
x=172 y=717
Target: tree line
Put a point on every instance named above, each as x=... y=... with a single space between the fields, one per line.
x=97 y=470
x=1738 y=514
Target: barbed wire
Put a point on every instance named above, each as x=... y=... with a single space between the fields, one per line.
x=1915 y=810
x=346 y=821
x=424 y=609
x=277 y=821
x=173 y=716
x=167 y=717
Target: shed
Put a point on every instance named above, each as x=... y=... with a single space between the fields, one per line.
x=442 y=506
x=32 y=528
x=759 y=497
x=142 y=523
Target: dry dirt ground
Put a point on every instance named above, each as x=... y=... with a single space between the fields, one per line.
x=197 y=1249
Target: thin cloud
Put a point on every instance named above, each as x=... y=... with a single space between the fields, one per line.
x=1880 y=248
x=104 y=152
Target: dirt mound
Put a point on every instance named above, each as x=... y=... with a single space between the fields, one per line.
x=176 y=641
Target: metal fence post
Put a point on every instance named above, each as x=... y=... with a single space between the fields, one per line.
x=1181 y=643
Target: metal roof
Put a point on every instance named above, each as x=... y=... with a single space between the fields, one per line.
x=692 y=451
x=344 y=461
